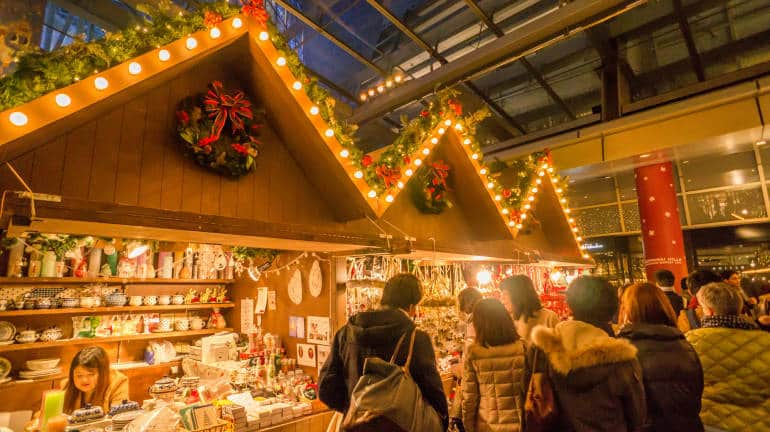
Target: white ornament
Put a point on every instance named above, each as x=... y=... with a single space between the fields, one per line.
x=645 y=178
x=295 y=287
x=667 y=214
x=662 y=169
x=315 y=280
x=652 y=233
x=652 y=199
x=673 y=242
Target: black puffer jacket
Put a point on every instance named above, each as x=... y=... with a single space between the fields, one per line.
x=375 y=334
x=673 y=377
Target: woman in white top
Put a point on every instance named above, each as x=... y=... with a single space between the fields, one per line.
x=521 y=300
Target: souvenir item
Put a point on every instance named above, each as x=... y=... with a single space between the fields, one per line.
x=150 y=300
x=94 y=261
x=135 y=300
x=28 y=304
x=115 y=298
x=35 y=266
x=15 y=259
x=122 y=418
x=177 y=299
x=4 y=304
x=26 y=336
x=182 y=324
x=164 y=389
x=5 y=367
x=51 y=334
x=165 y=325
x=43 y=303
x=165 y=265
x=295 y=287
x=42 y=364
x=87 y=302
x=70 y=302
x=197 y=323
x=216 y=320
x=318 y=330
x=38 y=374
x=126 y=268
x=306 y=355
x=48 y=265
x=111 y=257
x=164 y=300
x=86 y=414
x=315 y=279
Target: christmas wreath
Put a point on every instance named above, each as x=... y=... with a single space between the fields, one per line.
x=219 y=130
x=429 y=189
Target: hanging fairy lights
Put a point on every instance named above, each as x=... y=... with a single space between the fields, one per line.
x=382 y=87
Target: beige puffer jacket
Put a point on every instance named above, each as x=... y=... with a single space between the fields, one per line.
x=493 y=388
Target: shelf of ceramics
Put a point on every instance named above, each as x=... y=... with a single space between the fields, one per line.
x=113 y=281
x=115 y=309
x=88 y=341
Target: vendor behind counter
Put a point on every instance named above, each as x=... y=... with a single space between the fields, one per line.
x=91 y=381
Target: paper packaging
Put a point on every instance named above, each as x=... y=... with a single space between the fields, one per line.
x=52 y=405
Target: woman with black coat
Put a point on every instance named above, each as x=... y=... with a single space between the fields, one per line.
x=671 y=370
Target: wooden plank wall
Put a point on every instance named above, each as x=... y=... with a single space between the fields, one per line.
x=131 y=156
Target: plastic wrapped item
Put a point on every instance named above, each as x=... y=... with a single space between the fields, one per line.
x=215 y=389
x=163 y=419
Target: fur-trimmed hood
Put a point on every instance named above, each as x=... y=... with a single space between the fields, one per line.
x=574 y=345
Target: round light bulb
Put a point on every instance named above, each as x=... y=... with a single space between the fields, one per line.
x=280 y=61
x=574 y=229
x=534 y=190
x=426 y=151
x=559 y=190
x=164 y=55
x=498 y=197
x=313 y=110
x=134 y=68
x=466 y=141
x=538 y=181
x=434 y=140
x=191 y=43
x=329 y=132
x=541 y=173
x=101 y=83
x=511 y=224
x=400 y=185
x=523 y=216
x=586 y=256
x=389 y=198
x=458 y=126
x=408 y=172
x=448 y=122
x=63 y=100
x=531 y=198
x=344 y=153
x=18 y=118
x=358 y=174
x=483 y=171
x=441 y=131
x=237 y=23
x=564 y=200
x=506 y=211
x=398 y=78
x=215 y=33
x=297 y=85
x=380 y=88
x=362 y=97
x=568 y=211
x=490 y=185
x=389 y=83
x=475 y=156
x=263 y=36
x=372 y=194
x=418 y=162
x=484 y=277
x=571 y=220
x=371 y=92
x=527 y=206
x=578 y=238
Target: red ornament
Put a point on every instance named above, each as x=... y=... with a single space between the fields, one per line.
x=366 y=161
x=424 y=113
x=407 y=160
x=207 y=141
x=183 y=117
x=506 y=193
x=240 y=148
x=211 y=19
x=456 y=107
x=388 y=175
x=256 y=10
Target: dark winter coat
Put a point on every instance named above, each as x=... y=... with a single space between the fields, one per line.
x=596 y=378
x=673 y=377
x=676 y=301
x=375 y=334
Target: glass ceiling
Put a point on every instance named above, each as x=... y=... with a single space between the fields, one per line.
x=358 y=46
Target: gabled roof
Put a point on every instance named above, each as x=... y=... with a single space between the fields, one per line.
x=310 y=138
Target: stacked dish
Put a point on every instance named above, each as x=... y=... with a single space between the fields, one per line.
x=41 y=368
x=7 y=333
x=5 y=369
x=120 y=421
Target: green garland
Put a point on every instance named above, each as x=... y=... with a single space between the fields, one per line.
x=243 y=254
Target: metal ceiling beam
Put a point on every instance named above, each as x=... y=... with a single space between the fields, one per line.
x=106 y=14
x=511 y=124
x=473 y=6
x=573 y=17
x=692 y=50
x=336 y=41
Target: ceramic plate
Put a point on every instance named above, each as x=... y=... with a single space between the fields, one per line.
x=8 y=342
x=315 y=280
x=5 y=367
x=7 y=331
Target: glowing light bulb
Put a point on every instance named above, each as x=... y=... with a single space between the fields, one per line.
x=534 y=190
x=371 y=92
x=527 y=206
x=329 y=132
x=408 y=172
x=578 y=238
x=358 y=174
x=263 y=36
x=538 y=181
x=574 y=229
x=313 y=110
x=448 y=122
x=483 y=171
x=550 y=169
x=498 y=197
x=523 y=216
x=586 y=256
x=101 y=83
x=389 y=198
x=400 y=185
x=134 y=68
x=191 y=43
x=541 y=173
x=441 y=131
x=344 y=153
x=280 y=61
x=164 y=55
x=418 y=162
x=531 y=198
x=63 y=100
x=511 y=224
x=215 y=33
x=380 y=88
x=475 y=156
x=484 y=277
x=563 y=200
x=458 y=126
x=568 y=211
x=237 y=23
x=434 y=140
x=398 y=78
x=372 y=194
x=490 y=185
x=389 y=83
x=426 y=151
x=466 y=141
x=18 y=118
x=506 y=211
x=297 y=85
x=362 y=96
x=519 y=226
x=559 y=190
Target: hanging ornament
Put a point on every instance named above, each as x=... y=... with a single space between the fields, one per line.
x=295 y=287
x=315 y=280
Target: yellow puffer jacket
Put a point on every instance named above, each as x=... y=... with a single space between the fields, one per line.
x=493 y=391
x=736 y=375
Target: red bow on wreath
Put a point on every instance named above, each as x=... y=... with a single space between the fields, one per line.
x=456 y=107
x=546 y=158
x=440 y=173
x=221 y=106
x=389 y=175
x=256 y=9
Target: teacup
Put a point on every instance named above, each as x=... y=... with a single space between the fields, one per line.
x=3 y=304
x=70 y=302
x=164 y=300
x=135 y=300
x=165 y=324
x=177 y=299
x=150 y=300
x=43 y=303
x=197 y=323
x=27 y=336
x=182 y=324
x=87 y=302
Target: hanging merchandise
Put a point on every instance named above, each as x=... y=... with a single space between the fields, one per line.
x=295 y=287
x=315 y=279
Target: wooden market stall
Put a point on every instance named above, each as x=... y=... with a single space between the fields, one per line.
x=108 y=163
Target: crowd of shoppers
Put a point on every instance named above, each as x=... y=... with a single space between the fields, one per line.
x=655 y=373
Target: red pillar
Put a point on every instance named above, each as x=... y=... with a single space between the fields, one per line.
x=659 y=214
